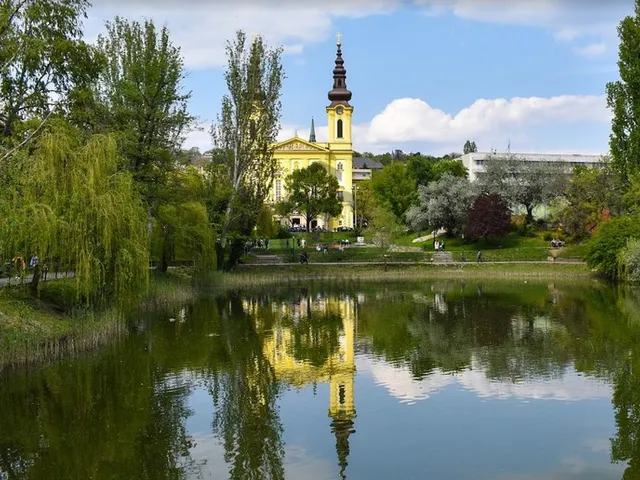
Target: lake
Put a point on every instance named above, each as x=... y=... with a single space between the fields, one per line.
x=425 y=380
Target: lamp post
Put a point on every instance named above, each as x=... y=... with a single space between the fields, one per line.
x=355 y=205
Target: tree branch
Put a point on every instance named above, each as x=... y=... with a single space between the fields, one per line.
x=26 y=140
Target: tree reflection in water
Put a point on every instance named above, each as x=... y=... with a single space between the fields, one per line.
x=121 y=412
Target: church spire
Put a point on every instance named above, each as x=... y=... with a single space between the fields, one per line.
x=312 y=132
x=339 y=95
x=342 y=428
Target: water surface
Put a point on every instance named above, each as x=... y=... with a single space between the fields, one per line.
x=443 y=380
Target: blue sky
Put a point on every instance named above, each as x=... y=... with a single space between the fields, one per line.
x=425 y=75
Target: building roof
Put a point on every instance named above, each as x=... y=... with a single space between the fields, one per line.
x=362 y=162
x=533 y=157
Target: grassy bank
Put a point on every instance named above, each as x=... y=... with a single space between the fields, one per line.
x=248 y=275
x=46 y=328
x=512 y=247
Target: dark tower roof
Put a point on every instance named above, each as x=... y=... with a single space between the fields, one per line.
x=339 y=95
x=342 y=428
x=312 y=132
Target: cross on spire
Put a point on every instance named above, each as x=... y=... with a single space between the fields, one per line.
x=339 y=37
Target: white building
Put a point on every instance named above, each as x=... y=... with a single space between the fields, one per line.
x=363 y=168
x=474 y=162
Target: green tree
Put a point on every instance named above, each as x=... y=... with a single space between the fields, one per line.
x=524 y=183
x=312 y=192
x=246 y=130
x=181 y=223
x=623 y=98
x=425 y=169
x=266 y=225
x=604 y=247
x=365 y=203
x=394 y=189
x=591 y=194
x=442 y=204
x=43 y=59
x=469 y=147
x=73 y=205
x=142 y=100
x=384 y=228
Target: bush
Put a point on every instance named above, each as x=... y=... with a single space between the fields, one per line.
x=283 y=232
x=606 y=244
x=547 y=237
x=526 y=230
x=629 y=261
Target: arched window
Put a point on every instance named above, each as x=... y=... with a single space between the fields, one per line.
x=340 y=166
x=339 y=134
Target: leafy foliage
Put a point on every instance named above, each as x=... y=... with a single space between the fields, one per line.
x=394 y=189
x=623 y=98
x=42 y=57
x=384 y=228
x=182 y=224
x=365 y=203
x=442 y=204
x=73 y=206
x=607 y=242
x=629 y=261
x=469 y=147
x=425 y=170
x=140 y=97
x=489 y=216
x=592 y=193
x=247 y=127
x=312 y=192
x=524 y=183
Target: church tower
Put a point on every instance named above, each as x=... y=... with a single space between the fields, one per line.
x=341 y=389
x=339 y=112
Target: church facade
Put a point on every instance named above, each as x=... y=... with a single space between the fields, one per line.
x=336 y=155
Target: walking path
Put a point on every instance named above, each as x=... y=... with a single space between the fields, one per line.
x=27 y=278
x=512 y=262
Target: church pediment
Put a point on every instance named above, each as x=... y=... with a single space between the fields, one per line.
x=299 y=145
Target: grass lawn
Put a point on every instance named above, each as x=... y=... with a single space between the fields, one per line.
x=511 y=247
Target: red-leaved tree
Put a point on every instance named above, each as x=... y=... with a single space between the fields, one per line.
x=489 y=216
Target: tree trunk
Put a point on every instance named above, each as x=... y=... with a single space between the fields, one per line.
x=35 y=281
x=227 y=220
x=167 y=251
x=529 y=213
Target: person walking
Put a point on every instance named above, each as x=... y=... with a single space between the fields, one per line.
x=479 y=256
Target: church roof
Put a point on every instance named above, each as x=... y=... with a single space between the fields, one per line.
x=362 y=162
x=339 y=95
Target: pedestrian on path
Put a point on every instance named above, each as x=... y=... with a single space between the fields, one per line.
x=479 y=256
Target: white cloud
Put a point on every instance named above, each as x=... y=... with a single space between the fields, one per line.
x=569 y=20
x=490 y=122
x=592 y=50
x=202 y=29
x=400 y=384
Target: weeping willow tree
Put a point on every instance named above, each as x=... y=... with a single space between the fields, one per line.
x=72 y=206
x=181 y=225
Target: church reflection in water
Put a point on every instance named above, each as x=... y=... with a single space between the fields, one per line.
x=306 y=318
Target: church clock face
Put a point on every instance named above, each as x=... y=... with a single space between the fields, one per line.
x=339 y=110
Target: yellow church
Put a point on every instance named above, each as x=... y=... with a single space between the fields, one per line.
x=336 y=154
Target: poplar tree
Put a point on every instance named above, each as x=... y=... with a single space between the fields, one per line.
x=623 y=98
x=246 y=130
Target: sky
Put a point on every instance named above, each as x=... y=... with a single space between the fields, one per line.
x=426 y=75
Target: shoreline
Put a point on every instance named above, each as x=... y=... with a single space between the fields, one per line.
x=392 y=270
x=32 y=332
